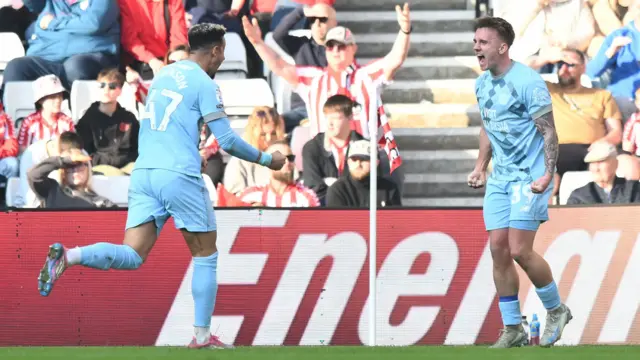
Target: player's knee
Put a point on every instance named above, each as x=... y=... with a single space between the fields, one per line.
x=521 y=255
x=501 y=255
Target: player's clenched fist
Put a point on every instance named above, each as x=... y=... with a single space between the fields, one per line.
x=277 y=161
x=540 y=185
x=477 y=179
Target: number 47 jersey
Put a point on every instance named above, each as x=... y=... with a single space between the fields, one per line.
x=181 y=95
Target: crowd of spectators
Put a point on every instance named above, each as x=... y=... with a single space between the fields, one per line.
x=125 y=43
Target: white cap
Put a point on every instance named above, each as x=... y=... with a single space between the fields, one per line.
x=45 y=86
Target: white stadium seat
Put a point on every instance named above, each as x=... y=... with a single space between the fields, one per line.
x=18 y=99
x=11 y=48
x=235 y=63
x=86 y=92
x=12 y=191
x=572 y=180
x=114 y=188
x=241 y=96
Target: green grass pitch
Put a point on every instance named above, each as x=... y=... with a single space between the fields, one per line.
x=326 y=352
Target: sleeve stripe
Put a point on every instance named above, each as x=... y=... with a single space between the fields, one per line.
x=214 y=116
x=542 y=111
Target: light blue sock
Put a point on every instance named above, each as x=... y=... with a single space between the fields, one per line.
x=204 y=287
x=105 y=256
x=510 y=310
x=549 y=296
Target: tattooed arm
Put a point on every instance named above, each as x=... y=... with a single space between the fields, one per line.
x=546 y=125
x=484 y=155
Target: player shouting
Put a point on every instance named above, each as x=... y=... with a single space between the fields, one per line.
x=167 y=180
x=518 y=134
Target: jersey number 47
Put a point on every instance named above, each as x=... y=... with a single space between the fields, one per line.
x=167 y=101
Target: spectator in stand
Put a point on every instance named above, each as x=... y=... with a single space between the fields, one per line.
x=583 y=116
x=73 y=40
x=620 y=54
x=609 y=15
x=147 y=36
x=285 y=7
x=325 y=156
x=48 y=121
x=560 y=24
x=343 y=76
x=264 y=127
x=34 y=155
x=15 y=17
x=141 y=87
x=352 y=190
x=74 y=189
x=305 y=51
x=281 y=190
x=606 y=187
x=8 y=148
x=110 y=132
x=631 y=144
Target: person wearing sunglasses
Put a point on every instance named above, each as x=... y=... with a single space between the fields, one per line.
x=281 y=189
x=109 y=131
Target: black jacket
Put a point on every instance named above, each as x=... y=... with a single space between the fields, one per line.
x=348 y=192
x=623 y=192
x=320 y=164
x=305 y=51
x=109 y=140
x=58 y=197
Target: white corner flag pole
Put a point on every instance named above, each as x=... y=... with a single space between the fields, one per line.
x=373 y=238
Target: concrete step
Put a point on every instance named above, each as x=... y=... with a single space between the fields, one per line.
x=458 y=91
x=435 y=68
x=464 y=202
x=439 y=161
x=430 y=44
x=342 y=5
x=364 y=22
x=427 y=115
x=439 y=186
x=437 y=139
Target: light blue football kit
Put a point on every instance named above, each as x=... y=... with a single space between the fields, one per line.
x=509 y=104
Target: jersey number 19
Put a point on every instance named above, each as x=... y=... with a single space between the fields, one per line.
x=149 y=111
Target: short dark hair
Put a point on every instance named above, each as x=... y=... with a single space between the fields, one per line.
x=112 y=74
x=205 y=36
x=176 y=49
x=581 y=55
x=340 y=103
x=500 y=25
x=69 y=140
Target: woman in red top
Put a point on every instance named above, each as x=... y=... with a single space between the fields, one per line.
x=48 y=121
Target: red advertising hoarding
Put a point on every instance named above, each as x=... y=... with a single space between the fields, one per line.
x=301 y=278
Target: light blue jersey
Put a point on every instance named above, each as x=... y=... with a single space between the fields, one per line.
x=181 y=96
x=508 y=105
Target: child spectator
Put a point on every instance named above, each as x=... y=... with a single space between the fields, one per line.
x=110 y=132
x=48 y=121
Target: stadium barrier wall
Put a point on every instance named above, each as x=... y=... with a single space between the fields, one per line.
x=300 y=277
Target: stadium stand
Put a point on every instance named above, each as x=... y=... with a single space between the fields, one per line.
x=11 y=48
x=18 y=99
x=235 y=63
x=571 y=181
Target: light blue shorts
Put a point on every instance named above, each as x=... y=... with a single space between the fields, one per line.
x=157 y=194
x=511 y=204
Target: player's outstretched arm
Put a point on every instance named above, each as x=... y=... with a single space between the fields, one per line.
x=233 y=144
x=546 y=126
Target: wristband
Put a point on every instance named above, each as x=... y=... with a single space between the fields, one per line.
x=265 y=159
x=408 y=32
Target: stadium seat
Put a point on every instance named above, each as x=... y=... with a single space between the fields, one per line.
x=281 y=89
x=11 y=48
x=572 y=180
x=18 y=99
x=235 y=63
x=12 y=191
x=114 y=188
x=236 y=101
x=300 y=136
x=86 y=92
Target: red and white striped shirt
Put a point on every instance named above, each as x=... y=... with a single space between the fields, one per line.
x=34 y=128
x=293 y=196
x=631 y=134
x=361 y=83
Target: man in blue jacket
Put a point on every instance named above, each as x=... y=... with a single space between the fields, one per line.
x=620 y=54
x=72 y=39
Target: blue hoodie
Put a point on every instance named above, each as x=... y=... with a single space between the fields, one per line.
x=625 y=75
x=78 y=27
